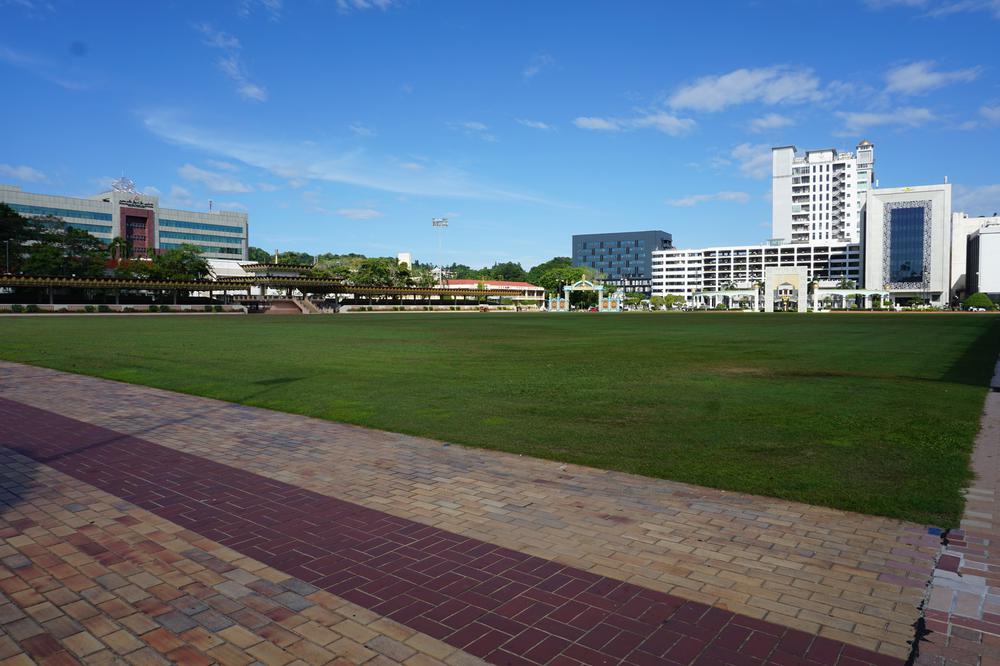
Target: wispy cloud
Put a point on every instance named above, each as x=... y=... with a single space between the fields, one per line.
x=855 y=122
x=475 y=128
x=216 y=182
x=359 y=213
x=538 y=64
x=271 y=7
x=658 y=120
x=534 y=124
x=231 y=63
x=990 y=114
x=222 y=164
x=298 y=163
x=767 y=85
x=920 y=77
x=695 y=199
x=62 y=75
x=769 y=122
x=22 y=172
x=364 y=5
x=981 y=200
x=752 y=160
x=361 y=129
x=937 y=9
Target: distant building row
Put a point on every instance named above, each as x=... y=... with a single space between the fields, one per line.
x=828 y=217
x=139 y=219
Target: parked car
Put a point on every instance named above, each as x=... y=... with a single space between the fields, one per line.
x=593 y=310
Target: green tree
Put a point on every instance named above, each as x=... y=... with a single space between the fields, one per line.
x=180 y=263
x=536 y=272
x=259 y=256
x=979 y=300
x=508 y=270
x=58 y=249
x=634 y=298
x=375 y=272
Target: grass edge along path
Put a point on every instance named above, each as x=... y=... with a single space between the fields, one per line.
x=869 y=413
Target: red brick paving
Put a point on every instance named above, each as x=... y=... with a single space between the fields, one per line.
x=504 y=606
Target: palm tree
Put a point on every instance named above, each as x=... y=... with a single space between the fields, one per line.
x=120 y=249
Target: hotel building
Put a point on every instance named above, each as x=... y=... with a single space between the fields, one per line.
x=819 y=195
x=125 y=213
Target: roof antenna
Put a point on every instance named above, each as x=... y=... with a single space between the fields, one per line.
x=209 y=205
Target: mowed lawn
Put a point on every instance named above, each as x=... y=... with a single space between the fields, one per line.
x=872 y=413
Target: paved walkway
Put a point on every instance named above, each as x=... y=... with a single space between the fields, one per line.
x=438 y=552
x=963 y=610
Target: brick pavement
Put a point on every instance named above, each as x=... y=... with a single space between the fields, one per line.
x=963 y=609
x=843 y=576
x=88 y=578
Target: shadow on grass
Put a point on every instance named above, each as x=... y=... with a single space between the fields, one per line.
x=976 y=364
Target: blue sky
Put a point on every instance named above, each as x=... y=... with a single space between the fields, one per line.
x=346 y=125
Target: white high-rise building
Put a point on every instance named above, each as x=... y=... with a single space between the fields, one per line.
x=820 y=195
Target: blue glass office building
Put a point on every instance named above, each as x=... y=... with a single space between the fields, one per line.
x=625 y=258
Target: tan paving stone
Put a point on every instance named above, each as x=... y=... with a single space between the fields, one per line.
x=759 y=556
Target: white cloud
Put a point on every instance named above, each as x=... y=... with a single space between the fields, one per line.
x=534 y=124
x=990 y=113
x=363 y=5
x=64 y=77
x=361 y=129
x=475 y=128
x=216 y=38
x=221 y=164
x=770 y=121
x=412 y=166
x=229 y=205
x=297 y=163
x=216 y=182
x=855 y=122
x=695 y=199
x=767 y=85
x=359 y=213
x=181 y=198
x=231 y=64
x=658 y=120
x=753 y=160
x=936 y=9
x=921 y=77
x=267 y=187
x=982 y=200
x=272 y=7
x=538 y=63
x=151 y=191
x=22 y=172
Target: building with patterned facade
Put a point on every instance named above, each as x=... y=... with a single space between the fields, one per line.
x=140 y=220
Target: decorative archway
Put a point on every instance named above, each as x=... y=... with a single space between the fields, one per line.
x=604 y=304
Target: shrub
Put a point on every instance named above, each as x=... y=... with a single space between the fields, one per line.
x=103 y=308
x=31 y=307
x=17 y=307
x=128 y=309
x=165 y=308
x=979 y=300
x=154 y=308
x=89 y=308
x=63 y=310
x=208 y=308
x=217 y=308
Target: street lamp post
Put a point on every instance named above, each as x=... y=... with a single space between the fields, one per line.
x=440 y=223
x=7 y=252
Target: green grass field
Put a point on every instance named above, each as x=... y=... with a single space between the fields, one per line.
x=873 y=413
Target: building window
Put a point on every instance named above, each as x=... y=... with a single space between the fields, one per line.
x=906 y=244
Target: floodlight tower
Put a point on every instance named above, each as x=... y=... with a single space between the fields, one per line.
x=440 y=223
